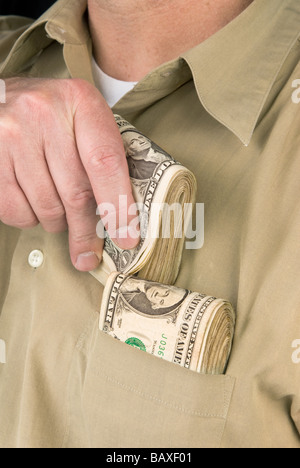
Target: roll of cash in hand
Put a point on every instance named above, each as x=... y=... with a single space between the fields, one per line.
x=158 y=182
x=192 y=330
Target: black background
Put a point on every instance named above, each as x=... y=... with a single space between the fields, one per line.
x=31 y=9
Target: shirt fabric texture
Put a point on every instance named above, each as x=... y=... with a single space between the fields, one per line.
x=225 y=110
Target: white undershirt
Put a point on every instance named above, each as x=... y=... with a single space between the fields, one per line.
x=110 y=88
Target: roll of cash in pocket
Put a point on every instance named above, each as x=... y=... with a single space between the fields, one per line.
x=165 y=193
x=190 y=329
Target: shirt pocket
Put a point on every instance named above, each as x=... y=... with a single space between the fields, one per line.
x=121 y=397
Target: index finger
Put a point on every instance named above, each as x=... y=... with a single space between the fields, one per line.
x=102 y=153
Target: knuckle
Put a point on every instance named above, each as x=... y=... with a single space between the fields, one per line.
x=39 y=97
x=10 y=129
x=50 y=213
x=80 y=87
x=7 y=211
x=30 y=99
x=105 y=163
x=83 y=95
x=9 y=217
x=28 y=223
x=17 y=215
x=55 y=227
x=79 y=92
x=83 y=238
x=34 y=101
x=25 y=112
x=79 y=199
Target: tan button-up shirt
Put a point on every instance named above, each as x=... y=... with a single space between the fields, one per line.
x=228 y=110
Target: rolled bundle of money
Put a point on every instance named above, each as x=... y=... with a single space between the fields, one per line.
x=192 y=330
x=165 y=193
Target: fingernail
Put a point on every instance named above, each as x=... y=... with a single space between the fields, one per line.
x=87 y=261
x=127 y=237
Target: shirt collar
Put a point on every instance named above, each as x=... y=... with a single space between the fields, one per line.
x=66 y=23
x=234 y=70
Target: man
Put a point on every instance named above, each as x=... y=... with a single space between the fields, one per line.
x=216 y=90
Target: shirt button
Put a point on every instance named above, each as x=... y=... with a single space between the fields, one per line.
x=36 y=259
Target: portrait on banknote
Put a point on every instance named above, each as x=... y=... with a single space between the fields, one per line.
x=143 y=156
x=150 y=299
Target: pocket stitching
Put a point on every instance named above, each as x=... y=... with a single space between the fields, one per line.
x=166 y=403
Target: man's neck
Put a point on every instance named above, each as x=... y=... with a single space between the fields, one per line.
x=132 y=37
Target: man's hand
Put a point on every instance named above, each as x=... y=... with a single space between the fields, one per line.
x=61 y=155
